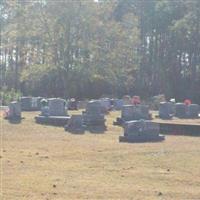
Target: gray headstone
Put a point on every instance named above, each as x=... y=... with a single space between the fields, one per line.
x=14 y=110
x=127 y=112
x=75 y=124
x=141 y=131
x=166 y=110
x=135 y=112
x=118 y=104
x=105 y=104
x=26 y=103
x=193 y=110
x=57 y=107
x=93 y=115
x=181 y=110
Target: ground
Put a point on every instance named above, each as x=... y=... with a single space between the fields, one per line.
x=46 y=163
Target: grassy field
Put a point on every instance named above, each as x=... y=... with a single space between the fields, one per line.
x=46 y=163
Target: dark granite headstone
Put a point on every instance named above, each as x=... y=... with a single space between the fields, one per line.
x=75 y=124
x=93 y=117
x=57 y=107
x=14 y=112
x=166 y=110
x=181 y=110
x=193 y=110
x=141 y=131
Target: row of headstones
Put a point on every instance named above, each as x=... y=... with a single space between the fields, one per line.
x=93 y=120
x=168 y=110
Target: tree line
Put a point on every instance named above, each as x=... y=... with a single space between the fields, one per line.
x=87 y=49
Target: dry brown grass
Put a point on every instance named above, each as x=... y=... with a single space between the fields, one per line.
x=43 y=162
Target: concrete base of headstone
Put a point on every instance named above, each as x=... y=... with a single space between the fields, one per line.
x=96 y=128
x=138 y=139
x=52 y=120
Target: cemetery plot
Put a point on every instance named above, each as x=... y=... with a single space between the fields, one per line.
x=141 y=131
x=53 y=112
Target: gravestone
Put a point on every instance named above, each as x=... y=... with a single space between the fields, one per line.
x=127 y=112
x=181 y=110
x=53 y=112
x=133 y=112
x=166 y=110
x=193 y=111
x=141 y=131
x=26 y=103
x=57 y=107
x=93 y=117
x=118 y=104
x=14 y=112
x=30 y=103
x=75 y=124
x=105 y=104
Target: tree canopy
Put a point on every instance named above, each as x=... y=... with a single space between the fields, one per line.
x=86 y=49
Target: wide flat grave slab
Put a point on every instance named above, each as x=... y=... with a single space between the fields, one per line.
x=179 y=126
x=53 y=120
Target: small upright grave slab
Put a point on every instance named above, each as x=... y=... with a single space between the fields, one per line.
x=57 y=107
x=181 y=110
x=106 y=105
x=53 y=112
x=141 y=131
x=14 y=112
x=75 y=124
x=93 y=117
x=166 y=110
x=193 y=111
x=117 y=104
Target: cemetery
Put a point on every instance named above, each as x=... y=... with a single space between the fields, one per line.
x=100 y=100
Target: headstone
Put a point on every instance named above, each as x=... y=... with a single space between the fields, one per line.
x=72 y=104
x=181 y=110
x=141 y=131
x=127 y=112
x=93 y=117
x=133 y=112
x=14 y=112
x=57 y=107
x=166 y=110
x=75 y=124
x=26 y=103
x=30 y=103
x=141 y=112
x=105 y=104
x=118 y=104
x=193 y=110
